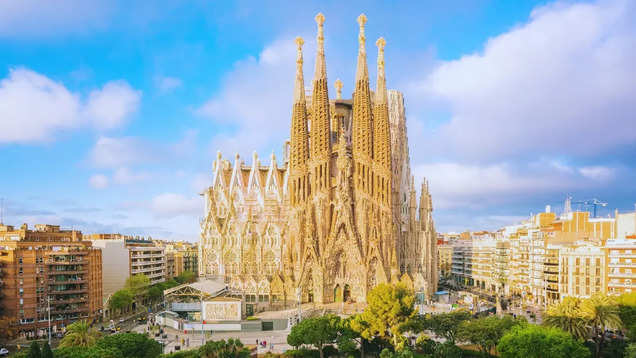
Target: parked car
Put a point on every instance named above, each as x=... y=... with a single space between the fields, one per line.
x=4 y=352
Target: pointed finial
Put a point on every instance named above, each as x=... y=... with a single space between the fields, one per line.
x=299 y=90
x=381 y=43
x=218 y=155
x=362 y=19
x=254 y=157
x=237 y=157
x=272 y=157
x=338 y=89
x=320 y=20
x=299 y=43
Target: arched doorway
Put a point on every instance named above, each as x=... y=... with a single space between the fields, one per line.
x=346 y=295
x=337 y=293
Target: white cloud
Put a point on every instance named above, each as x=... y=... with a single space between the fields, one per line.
x=455 y=185
x=117 y=152
x=172 y=205
x=43 y=17
x=35 y=108
x=98 y=181
x=126 y=176
x=598 y=173
x=167 y=84
x=554 y=85
x=110 y=106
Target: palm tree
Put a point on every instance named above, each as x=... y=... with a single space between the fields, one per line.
x=79 y=334
x=566 y=315
x=600 y=313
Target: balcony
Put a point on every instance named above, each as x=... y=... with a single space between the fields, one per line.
x=65 y=262
x=70 y=300
x=66 y=281
x=66 y=272
x=69 y=291
x=69 y=310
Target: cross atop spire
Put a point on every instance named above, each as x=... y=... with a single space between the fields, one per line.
x=362 y=72
x=338 y=89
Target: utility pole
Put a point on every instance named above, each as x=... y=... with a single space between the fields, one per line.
x=48 y=296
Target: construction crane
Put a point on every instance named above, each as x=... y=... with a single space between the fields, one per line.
x=594 y=203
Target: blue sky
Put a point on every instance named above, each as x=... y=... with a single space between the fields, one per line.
x=111 y=113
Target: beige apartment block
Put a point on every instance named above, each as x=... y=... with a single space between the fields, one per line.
x=621 y=270
x=445 y=253
x=582 y=271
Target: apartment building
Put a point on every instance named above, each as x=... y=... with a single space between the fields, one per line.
x=445 y=253
x=546 y=258
x=582 y=270
x=48 y=267
x=621 y=270
x=126 y=256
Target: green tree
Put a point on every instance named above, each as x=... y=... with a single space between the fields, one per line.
x=131 y=345
x=82 y=352
x=137 y=284
x=627 y=313
x=600 y=313
x=233 y=348
x=630 y=352
x=389 y=311
x=532 y=341
x=486 y=332
x=46 y=351
x=34 y=350
x=349 y=337
x=315 y=331
x=79 y=334
x=186 y=277
x=566 y=315
x=447 y=324
x=120 y=300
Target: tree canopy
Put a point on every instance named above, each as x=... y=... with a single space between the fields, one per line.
x=121 y=299
x=315 y=331
x=79 y=334
x=131 y=345
x=486 y=332
x=447 y=324
x=532 y=341
x=389 y=311
x=137 y=284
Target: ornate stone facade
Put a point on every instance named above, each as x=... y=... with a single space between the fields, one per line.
x=340 y=215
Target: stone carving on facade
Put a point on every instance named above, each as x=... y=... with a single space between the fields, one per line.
x=340 y=214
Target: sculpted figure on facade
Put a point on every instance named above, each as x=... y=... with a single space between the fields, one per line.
x=339 y=215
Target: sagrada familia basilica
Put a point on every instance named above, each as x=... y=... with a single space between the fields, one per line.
x=339 y=215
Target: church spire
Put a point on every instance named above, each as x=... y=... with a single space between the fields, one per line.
x=362 y=119
x=320 y=118
x=299 y=152
x=381 y=131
